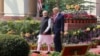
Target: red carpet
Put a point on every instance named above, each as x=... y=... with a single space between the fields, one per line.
x=43 y=53
x=95 y=50
x=92 y=50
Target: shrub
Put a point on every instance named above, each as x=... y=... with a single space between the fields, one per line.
x=19 y=26
x=56 y=54
x=91 y=54
x=13 y=45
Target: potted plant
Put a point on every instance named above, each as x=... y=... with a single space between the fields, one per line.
x=94 y=45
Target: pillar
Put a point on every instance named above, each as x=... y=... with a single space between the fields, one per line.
x=1 y=7
x=32 y=7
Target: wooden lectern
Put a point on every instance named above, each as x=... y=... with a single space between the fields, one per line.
x=75 y=50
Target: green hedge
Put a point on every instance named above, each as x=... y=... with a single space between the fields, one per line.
x=59 y=54
x=13 y=45
x=18 y=26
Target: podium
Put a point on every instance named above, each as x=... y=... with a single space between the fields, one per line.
x=75 y=50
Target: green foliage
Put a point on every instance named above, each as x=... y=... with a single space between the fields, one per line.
x=56 y=54
x=19 y=26
x=91 y=54
x=59 y=54
x=49 y=4
x=28 y=18
x=62 y=4
x=4 y=27
x=73 y=1
x=13 y=45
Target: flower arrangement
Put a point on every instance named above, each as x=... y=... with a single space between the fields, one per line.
x=73 y=7
x=74 y=11
x=79 y=15
x=82 y=35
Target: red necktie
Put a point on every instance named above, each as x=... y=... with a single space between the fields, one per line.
x=54 y=18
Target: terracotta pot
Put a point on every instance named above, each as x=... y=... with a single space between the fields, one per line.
x=98 y=42
x=70 y=21
x=52 y=49
x=85 y=21
x=34 y=47
x=74 y=20
x=94 y=45
x=77 y=21
x=81 y=20
x=66 y=21
x=90 y=20
x=95 y=21
x=44 y=48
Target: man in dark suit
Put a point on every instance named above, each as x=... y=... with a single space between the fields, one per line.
x=58 y=28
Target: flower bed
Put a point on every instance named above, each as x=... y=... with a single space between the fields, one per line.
x=86 y=35
x=25 y=28
x=19 y=27
x=43 y=47
x=78 y=19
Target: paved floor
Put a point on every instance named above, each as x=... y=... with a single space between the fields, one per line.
x=92 y=50
x=95 y=50
x=43 y=53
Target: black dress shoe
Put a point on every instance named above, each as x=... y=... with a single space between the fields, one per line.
x=48 y=53
x=38 y=52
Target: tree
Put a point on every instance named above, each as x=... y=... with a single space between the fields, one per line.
x=62 y=4
x=49 y=4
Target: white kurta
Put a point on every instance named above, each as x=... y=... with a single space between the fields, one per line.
x=46 y=39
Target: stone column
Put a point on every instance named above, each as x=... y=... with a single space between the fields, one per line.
x=1 y=8
x=32 y=7
x=98 y=7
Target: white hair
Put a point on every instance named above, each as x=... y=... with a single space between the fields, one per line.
x=56 y=8
x=45 y=11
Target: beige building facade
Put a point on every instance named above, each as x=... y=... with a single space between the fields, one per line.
x=20 y=8
x=17 y=8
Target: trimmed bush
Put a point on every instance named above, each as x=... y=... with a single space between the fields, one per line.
x=13 y=45
x=18 y=26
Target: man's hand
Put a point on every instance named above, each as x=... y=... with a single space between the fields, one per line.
x=53 y=35
x=44 y=33
x=65 y=33
x=62 y=32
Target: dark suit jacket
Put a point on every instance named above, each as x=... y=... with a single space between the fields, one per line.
x=44 y=25
x=59 y=23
